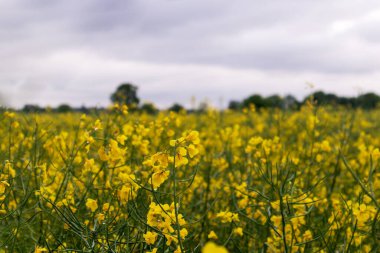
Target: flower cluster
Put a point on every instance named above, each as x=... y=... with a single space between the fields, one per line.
x=215 y=181
x=163 y=219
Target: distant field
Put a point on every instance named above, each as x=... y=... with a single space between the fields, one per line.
x=212 y=182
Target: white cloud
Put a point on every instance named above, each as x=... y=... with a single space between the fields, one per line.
x=78 y=52
x=79 y=77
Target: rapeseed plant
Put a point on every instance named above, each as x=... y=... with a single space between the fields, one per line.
x=250 y=181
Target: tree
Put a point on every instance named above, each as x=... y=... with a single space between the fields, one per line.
x=290 y=102
x=234 y=105
x=256 y=100
x=368 y=101
x=64 y=108
x=347 y=101
x=126 y=94
x=274 y=101
x=149 y=108
x=32 y=109
x=176 y=108
x=323 y=98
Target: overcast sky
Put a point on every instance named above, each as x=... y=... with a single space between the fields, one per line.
x=78 y=52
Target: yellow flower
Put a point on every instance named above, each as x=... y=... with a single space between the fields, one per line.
x=307 y=235
x=211 y=247
x=159 y=177
x=98 y=125
x=180 y=160
x=121 y=139
x=124 y=194
x=178 y=250
x=92 y=204
x=3 y=184
x=183 y=233
x=101 y=217
x=182 y=151
x=107 y=208
x=212 y=235
x=170 y=239
x=227 y=217
x=173 y=143
x=193 y=137
x=10 y=115
x=325 y=146
x=153 y=251
x=238 y=231
x=193 y=151
x=150 y=237
x=170 y=133
x=103 y=155
x=39 y=249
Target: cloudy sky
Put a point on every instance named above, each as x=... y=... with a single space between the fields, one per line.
x=78 y=52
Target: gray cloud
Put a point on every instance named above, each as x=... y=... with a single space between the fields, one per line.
x=79 y=51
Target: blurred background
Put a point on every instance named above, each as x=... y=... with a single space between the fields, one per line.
x=188 y=52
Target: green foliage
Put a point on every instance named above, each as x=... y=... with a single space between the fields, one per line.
x=365 y=101
x=176 y=108
x=256 y=100
x=368 y=101
x=126 y=94
x=32 y=109
x=149 y=108
x=234 y=105
x=64 y=108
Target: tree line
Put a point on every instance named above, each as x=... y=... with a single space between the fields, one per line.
x=364 y=101
x=126 y=93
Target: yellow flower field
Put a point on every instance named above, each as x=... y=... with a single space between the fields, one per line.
x=218 y=181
